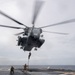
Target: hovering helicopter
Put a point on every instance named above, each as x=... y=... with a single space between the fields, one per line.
x=32 y=36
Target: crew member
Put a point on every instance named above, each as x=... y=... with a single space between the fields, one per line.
x=25 y=68
x=29 y=55
x=12 y=70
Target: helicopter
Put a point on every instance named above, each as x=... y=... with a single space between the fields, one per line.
x=31 y=36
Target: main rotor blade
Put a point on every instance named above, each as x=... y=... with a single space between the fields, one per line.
x=37 y=7
x=64 y=22
x=19 y=33
x=56 y=32
x=11 y=27
x=12 y=18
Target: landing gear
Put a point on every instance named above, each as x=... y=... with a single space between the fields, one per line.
x=41 y=35
x=21 y=47
x=35 y=49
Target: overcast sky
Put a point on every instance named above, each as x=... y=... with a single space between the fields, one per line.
x=57 y=49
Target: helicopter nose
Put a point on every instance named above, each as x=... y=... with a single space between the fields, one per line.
x=36 y=36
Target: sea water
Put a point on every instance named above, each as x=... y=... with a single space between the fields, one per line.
x=67 y=67
x=5 y=69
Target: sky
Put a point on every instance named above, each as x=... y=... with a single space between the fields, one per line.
x=57 y=49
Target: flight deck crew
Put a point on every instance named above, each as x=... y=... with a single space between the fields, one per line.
x=12 y=70
x=25 y=68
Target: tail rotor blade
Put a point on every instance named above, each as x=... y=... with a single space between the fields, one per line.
x=37 y=7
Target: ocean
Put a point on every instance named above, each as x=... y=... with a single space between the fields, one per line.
x=5 y=69
x=67 y=67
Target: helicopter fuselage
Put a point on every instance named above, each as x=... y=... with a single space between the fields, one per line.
x=31 y=38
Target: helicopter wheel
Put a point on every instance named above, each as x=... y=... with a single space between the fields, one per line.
x=35 y=49
x=21 y=47
x=41 y=35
